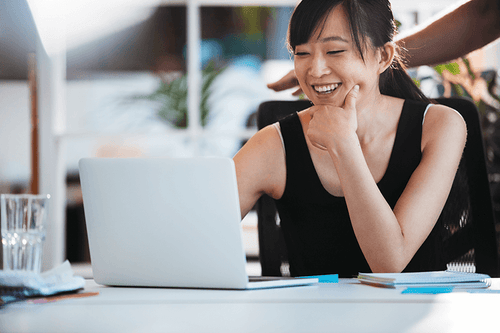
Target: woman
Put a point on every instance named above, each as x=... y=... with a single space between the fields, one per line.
x=359 y=178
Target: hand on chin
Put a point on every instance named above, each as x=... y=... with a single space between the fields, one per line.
x=330 y=123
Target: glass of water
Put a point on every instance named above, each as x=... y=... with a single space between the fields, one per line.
x=23 y=230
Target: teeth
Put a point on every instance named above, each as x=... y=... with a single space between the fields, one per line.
x=326 y=89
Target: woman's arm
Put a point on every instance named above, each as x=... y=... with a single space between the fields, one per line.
x=389 y=239
x=260 y=168
x=452 y=34
x=287 y=82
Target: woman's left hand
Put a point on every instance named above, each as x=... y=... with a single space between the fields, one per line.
x=330 y=125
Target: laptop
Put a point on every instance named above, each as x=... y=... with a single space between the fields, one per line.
x=167 y=222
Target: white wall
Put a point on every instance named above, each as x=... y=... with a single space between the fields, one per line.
x=492 y=56
x=15 y=159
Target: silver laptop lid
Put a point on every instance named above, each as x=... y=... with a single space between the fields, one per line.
x=163 y=222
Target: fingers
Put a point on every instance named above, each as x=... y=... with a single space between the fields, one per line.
x=350 y=99
x=286 y=82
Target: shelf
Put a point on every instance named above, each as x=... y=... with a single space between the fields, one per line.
x=268 y=3
x=236 y=134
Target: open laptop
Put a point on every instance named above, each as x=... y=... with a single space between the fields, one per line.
x=167 y=222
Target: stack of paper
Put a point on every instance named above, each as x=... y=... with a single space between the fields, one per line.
x=451 y=279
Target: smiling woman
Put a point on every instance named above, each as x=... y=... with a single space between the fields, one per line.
x=350 y=30
x=360 y=178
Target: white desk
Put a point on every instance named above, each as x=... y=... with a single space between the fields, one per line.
x=344 y=307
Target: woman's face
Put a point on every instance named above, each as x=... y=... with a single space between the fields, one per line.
x=329 y=64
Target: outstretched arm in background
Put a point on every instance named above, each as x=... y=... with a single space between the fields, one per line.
x=453 y=33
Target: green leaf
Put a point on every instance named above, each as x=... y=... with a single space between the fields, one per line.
x=451 y=67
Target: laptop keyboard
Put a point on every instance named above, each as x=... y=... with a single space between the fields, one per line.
x=267 y=278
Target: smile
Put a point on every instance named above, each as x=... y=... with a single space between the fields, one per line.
x=326 y=89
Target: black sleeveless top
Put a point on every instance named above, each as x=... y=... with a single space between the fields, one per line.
x=316 y=225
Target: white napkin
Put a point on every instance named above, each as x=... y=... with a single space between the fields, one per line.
x=57 y=280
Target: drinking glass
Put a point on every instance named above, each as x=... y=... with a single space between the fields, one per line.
x=23 y=230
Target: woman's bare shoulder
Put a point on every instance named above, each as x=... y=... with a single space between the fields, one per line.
x=443 y=123
x=267 y=141
x=443 y=116
x=261 y=162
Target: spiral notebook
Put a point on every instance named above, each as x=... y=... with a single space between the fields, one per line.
x=453 y=279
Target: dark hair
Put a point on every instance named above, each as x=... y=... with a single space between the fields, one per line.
x=371 y=19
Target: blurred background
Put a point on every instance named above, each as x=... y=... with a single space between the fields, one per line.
x=151 y=78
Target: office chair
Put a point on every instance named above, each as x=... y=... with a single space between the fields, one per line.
x=470 y=237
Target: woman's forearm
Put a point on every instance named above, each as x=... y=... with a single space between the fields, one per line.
x=454 y=33
x=375 y=225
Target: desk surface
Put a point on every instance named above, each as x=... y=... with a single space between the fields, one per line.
x=342 y=307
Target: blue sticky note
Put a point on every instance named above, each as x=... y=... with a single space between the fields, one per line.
x=329 y=278
x=427 y=290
